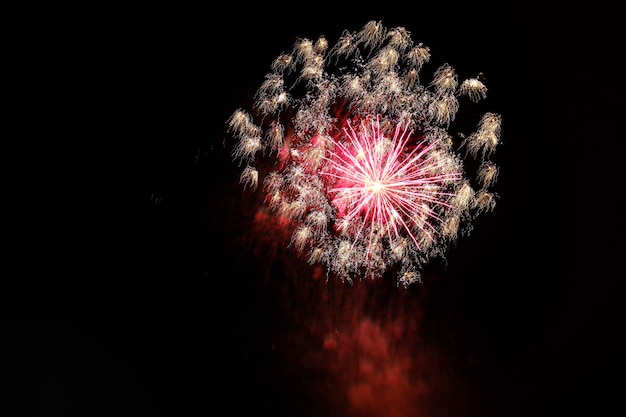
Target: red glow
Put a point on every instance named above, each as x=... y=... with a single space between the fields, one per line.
x=363 y=350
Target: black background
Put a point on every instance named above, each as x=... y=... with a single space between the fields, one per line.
x=123 y=277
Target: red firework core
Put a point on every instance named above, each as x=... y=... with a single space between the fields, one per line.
x=388 y=180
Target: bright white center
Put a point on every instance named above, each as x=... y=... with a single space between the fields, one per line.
x=376 y=186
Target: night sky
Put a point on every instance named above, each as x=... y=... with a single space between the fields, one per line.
x=135 y=284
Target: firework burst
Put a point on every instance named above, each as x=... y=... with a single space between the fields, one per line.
x=354 y=152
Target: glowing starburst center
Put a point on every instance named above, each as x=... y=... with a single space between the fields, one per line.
x=375 y=187
x=390 y=184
